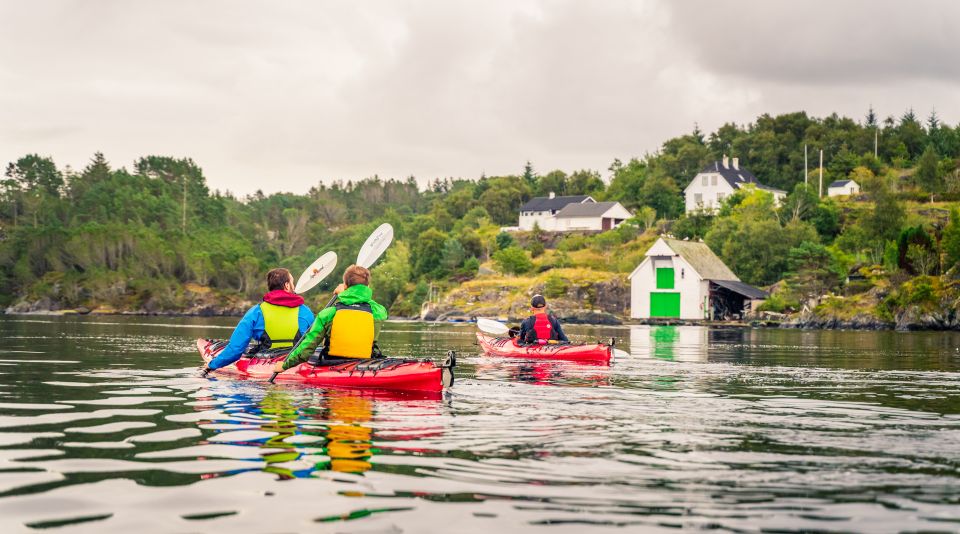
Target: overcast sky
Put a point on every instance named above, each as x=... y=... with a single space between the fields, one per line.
x=281 y=95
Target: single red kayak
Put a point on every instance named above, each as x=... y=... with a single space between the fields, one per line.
x=508 y=347
x=373 y=373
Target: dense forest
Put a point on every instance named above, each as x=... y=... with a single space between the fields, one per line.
x=154 y=238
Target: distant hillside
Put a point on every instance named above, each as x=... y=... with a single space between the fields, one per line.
x=152 y=238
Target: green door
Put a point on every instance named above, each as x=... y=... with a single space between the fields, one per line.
x=665 y=305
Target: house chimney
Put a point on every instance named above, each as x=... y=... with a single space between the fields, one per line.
x=736 y=163
x=552 y=194
x=726 y=162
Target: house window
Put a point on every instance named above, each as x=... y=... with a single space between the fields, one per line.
x=698 y=198
x=713 y=180
x=704 y=180
x=664 y=277
x=720 y=197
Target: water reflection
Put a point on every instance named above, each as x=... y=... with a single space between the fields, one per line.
x=689 y=432
x=670 y=343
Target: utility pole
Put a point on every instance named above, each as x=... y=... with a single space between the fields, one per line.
x=183 y=221
x=876 y=138
x=821 y=172
x=805 y=172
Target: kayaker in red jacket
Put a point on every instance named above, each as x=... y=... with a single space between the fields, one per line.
x=541 y=327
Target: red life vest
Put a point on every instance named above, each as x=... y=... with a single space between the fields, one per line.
x=542 y=326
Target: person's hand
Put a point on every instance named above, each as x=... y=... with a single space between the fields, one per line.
x=203 y=371
x=340 y=289
x=278 y=368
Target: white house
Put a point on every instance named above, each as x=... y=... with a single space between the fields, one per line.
x=843 y=187
x=591 y=216
x=719 y=180
x=541 y=210
x=685 y=280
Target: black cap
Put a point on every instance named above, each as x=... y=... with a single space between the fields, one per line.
x=538 y=302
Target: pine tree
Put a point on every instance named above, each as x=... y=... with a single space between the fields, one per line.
x=529 y=176
x=933 y=122
x=928 y=176
x=871 y=117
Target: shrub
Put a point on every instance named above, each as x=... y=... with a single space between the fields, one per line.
x=554 y=287
x=512 y=260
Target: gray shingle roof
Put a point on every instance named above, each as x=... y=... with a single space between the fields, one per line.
x=702 y=259
x=839 y=183
x=552 y=204
x=588 y=209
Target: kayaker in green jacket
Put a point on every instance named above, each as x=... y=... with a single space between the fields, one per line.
x=348 y=329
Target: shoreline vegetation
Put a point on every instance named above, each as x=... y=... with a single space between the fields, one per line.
x=154 y=240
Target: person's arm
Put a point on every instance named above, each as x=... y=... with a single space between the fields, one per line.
x=525 y=327
x=558 y=330
x=305 y=319
x=311 y=339
x=379 y=316
x=239 y=340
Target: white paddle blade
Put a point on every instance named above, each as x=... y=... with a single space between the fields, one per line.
x=492 y=327
x=620 y=354
x=316 y=272
x=375 y=245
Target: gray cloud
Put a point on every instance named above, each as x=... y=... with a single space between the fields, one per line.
x=279 y=96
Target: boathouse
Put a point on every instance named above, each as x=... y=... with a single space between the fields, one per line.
x=681 y=279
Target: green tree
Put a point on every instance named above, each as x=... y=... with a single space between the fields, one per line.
x=810 y=272
x=391 y=276
x=928 y=176
x=453 y=255
x=951 y=240
x=428 y=252
x=512 y=260
x=662 y=194
x=504 y=240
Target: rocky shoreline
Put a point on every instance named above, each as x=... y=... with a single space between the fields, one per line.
x=910 y=319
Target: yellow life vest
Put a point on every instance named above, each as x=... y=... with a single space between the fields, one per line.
x=352 y=331
x=281 y=324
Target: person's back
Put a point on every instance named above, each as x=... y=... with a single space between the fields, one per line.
x=277 y=322
x=541 y=327
x=348 y=329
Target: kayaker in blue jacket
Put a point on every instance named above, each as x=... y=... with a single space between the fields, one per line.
x=541 y=326
x=279 y=321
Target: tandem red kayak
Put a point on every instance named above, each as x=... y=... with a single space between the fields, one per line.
x=507 y=347
x=372 y=373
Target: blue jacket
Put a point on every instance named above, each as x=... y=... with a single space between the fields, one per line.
x=251 y=327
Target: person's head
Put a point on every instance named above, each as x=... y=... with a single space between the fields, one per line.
x=278 y=279
x=538 y=304
x=356 y=274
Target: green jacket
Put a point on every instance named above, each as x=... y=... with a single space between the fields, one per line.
x=352 y=295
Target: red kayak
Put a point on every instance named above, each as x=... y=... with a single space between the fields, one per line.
x=508 y=347
x=374 y=373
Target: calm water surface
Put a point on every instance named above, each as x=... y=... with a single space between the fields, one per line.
x=105 y=428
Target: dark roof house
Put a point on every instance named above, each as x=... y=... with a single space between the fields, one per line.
x=587 y=209
x=554 y=204
x=735 y=175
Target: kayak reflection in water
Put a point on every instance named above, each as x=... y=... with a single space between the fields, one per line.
x=541 y=327
x=348 y=444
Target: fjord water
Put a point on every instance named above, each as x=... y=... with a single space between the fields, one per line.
x=104 y=427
